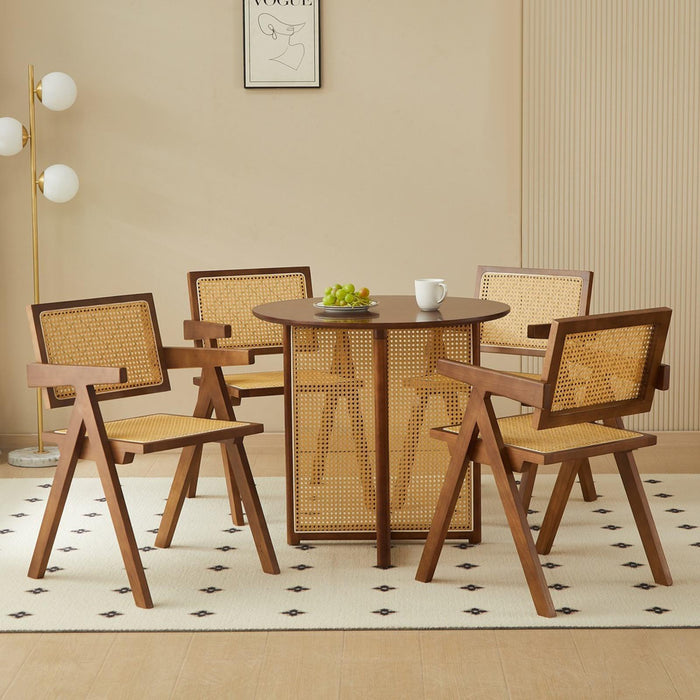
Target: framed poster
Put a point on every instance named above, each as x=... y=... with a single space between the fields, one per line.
x=281 y=43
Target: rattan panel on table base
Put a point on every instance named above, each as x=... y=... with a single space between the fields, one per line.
x=334 y=439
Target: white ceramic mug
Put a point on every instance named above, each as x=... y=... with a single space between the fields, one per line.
x=430 y=293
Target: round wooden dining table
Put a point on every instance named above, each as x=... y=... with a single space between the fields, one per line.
x=381 y=364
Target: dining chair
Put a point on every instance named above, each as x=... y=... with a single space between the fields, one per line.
x=596 y=368
x=535 y=297
x=92 y=350
x=228 y=297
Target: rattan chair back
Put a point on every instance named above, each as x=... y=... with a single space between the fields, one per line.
x=534 y=296
x=229 y=296
x=602 y=366
x=120 y=331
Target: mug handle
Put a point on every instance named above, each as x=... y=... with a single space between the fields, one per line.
x=444 y=292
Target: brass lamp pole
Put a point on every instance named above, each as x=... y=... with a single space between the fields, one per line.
x=58 y=183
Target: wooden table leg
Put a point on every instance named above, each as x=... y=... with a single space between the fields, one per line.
x=292 y=537
x=381 y=442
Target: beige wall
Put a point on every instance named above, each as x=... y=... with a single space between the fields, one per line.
x=405 y=163
x=611 y=159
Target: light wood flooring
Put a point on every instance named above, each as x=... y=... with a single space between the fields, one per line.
x=635 y=663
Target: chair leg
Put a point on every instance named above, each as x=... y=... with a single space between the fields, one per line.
x=627 y=467
x=125 y=533
x=557 y=504
x=57 y=497
x=585 y=477
x=520 y=530
x=527 y=483
x=176 y=497
x=515 y=514
x=234 y=495
x=447 y=501
x=194 y=474
x=258 y=527
x=204 y=408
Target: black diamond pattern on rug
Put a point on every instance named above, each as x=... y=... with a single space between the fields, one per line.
x=246 y=598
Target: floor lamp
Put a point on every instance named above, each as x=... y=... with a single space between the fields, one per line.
x=58 y=183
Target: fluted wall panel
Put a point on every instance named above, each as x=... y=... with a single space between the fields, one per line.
x=611 y=165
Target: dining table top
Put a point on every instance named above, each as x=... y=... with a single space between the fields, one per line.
x=390 y=311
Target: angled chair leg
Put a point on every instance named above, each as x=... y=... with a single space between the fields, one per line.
x=203 y=409
x=234 y=495
x=449 y=493
x=627 y=467
x=585 y=477
x=194 y=474
x=57 y=496
x=114 y=495
x=557 y=504
x=520 y=530
x=527 y=482
x=258 y=527
x=189 y=458
x=125 y=533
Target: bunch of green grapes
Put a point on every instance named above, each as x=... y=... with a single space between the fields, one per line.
x=346 y=295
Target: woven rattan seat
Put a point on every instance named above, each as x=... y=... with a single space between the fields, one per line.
x=519 y=434
x=596 y=368
x=150 y=431
x=535 y=297
x=93 y=350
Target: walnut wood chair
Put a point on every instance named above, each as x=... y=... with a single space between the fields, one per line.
x=535 y=297
x=598 y=367
x=227 y=297
x=92 y=350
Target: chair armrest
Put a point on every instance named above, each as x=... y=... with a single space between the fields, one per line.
x=539 y=330
x=531 y=392
x=205 y=330
x=663 y=378
x=45 y=375
x=183 y=358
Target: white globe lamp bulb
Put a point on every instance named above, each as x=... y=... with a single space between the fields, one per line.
x=57 y=91
x=59 y=183
x=13 y=136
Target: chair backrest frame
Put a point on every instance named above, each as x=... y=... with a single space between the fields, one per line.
x=529 y=346
x=83 y=338
x=603 y=336
x=196 y=278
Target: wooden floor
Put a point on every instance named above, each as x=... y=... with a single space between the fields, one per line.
x=635 y=663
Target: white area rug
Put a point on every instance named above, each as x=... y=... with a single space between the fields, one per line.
x=211 y=579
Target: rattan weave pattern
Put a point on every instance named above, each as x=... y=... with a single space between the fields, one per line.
x=333 y=413
x=419 y=398
x=104 y=335
x=518 y=431
x=256 y=380
x=332 y=409
x=230 y=299
x=602 y=366
x=162 y=426
x=533 y=298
